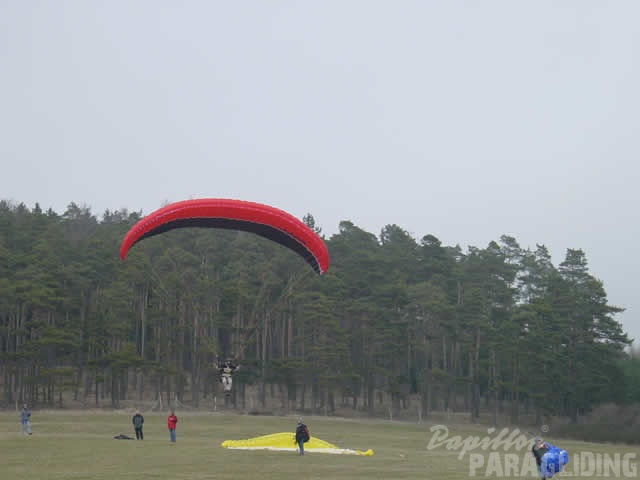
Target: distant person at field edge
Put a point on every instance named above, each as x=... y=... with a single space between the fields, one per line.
x=25 y=420
x=302 y=435
x=138 y=421
x=540 y=447
x=172 y=420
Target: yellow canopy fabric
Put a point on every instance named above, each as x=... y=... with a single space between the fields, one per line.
x=285 y=441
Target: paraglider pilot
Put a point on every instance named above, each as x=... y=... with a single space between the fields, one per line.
x=227 y=370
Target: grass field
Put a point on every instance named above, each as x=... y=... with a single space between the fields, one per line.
x=80 y=445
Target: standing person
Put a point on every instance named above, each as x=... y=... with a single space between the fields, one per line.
x=25 y=420
x=138 y=421
x=302 y=435
x=172 y=420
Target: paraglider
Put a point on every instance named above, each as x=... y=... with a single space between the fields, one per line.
x=285 y=442
x=268 y=222
x=263 y=220
x=549 y=458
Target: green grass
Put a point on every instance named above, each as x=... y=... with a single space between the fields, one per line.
x=80 y=445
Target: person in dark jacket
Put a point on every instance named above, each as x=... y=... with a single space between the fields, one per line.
x=302 y=435
x=138 y=421
x=540 y=447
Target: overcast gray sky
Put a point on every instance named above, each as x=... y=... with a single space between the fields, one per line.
x=465 y=120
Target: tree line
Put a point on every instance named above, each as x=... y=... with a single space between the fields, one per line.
x=499 y=327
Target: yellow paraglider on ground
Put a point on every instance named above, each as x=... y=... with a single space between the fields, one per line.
x=285 y=442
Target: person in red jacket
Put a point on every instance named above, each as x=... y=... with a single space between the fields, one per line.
x=172 y=420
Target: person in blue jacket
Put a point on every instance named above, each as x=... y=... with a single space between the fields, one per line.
x=25 y=420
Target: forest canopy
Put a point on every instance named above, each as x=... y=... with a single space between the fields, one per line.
x=393 y=315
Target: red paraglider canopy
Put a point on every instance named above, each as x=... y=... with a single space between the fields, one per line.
x=263 y=220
